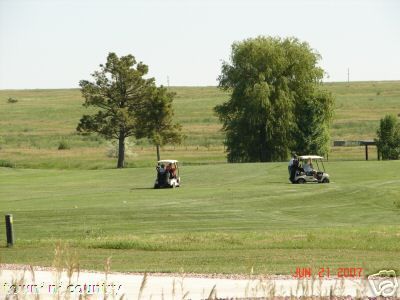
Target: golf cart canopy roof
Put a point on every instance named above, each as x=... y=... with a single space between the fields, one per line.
x=310 y=157
x=167 y=161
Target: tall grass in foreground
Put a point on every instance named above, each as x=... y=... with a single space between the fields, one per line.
x=66 y=262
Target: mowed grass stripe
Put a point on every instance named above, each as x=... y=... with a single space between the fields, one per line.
x=247 y=212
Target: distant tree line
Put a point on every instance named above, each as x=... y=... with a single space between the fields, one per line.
x=277 y=102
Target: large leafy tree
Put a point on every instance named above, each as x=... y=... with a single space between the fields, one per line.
x=388 y=140
x=313 y=117
x=119 y=92
x=157 y=119
x=277 y=101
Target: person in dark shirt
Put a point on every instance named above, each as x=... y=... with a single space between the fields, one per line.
x=293 y=169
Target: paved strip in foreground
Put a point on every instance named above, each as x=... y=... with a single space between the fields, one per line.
x=49 y=284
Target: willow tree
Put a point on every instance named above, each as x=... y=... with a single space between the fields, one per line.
x=119 y=92
x=277 y=102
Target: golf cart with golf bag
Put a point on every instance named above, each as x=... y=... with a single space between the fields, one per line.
x=305 y=171
x=167 y=174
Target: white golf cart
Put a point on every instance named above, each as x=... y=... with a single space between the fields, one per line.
x=167 y=174
x=317 y=175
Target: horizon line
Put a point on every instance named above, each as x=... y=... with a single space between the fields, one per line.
x=195 y=86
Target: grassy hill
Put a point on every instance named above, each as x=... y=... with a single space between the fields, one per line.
x=225 y=218
x=31 y=129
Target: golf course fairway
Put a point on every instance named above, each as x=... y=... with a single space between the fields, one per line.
x=226 y=218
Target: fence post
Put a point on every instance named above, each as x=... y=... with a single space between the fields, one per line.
x=9 y=230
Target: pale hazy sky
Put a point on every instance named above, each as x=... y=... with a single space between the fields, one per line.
x=56 y=43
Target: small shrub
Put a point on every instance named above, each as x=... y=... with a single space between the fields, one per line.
x=63 y=145
x=388 y=137
x=396 y=204
x=6 y=164
x=12 y=100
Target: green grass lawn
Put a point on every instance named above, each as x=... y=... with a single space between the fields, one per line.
x=225 y=218
x=32 y=128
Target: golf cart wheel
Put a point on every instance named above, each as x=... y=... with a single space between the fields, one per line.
x=156 y=186
x=325 y=180
x=301 y=181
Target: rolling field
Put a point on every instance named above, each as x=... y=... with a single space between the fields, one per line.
x=224 y=219
x=32 y=129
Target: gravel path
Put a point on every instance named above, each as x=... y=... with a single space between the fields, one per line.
x=49 y=283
